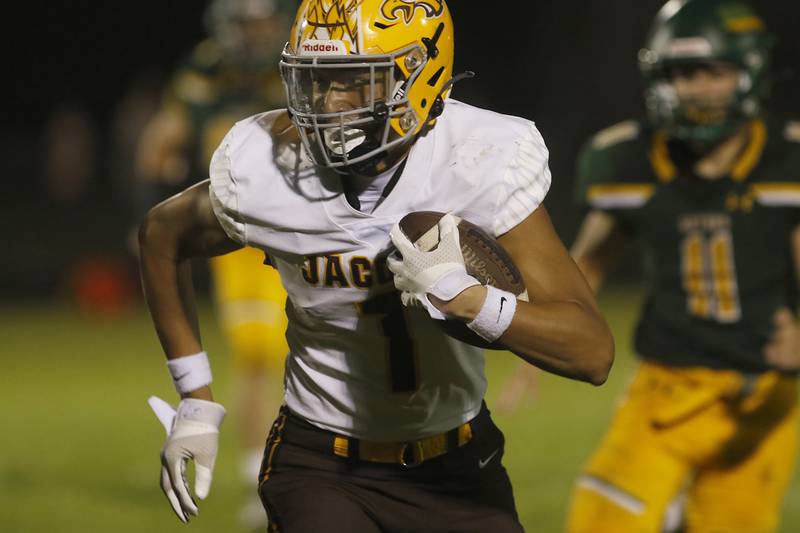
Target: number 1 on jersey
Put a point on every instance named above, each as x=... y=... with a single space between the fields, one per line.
x=709 y=276
x=402 y=366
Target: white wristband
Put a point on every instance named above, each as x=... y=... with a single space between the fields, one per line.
x=496 y=314
x=190 y=372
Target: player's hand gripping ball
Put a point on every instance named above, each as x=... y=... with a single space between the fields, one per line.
x=443 y=255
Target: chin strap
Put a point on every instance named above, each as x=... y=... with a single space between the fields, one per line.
x=437 y=108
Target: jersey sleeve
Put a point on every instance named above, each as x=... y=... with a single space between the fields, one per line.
x=223 y=192
x=592 y=171
x=613 y=172
x=779 y=185
x=525 y=182
x=597 y=187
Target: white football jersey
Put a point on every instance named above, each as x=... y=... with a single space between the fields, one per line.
x=361 y=364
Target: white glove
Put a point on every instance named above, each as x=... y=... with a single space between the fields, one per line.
x=439 y=272
x=192 y=433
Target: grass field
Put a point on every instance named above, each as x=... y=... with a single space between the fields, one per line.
x=79 y=446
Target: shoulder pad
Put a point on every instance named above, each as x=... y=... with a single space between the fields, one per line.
x=618 y=133
x=206 y=55
x=193 y=87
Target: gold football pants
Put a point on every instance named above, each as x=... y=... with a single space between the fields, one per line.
x=251 y=303
x=728 y=440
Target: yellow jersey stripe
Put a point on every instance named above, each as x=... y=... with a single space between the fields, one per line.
x=751 y=154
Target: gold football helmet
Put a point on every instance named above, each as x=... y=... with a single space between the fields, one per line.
x=363 y=76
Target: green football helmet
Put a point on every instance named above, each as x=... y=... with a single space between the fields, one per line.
x=249 y=31
x=694 y=33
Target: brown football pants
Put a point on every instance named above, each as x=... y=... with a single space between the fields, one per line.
x=306 y=488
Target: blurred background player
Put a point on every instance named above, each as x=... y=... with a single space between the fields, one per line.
x=231 y=75
x=710 y=188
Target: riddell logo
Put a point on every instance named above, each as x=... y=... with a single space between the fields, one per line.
x=315 y=47
x=319 y=47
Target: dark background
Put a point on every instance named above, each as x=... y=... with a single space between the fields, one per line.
x=568 y=65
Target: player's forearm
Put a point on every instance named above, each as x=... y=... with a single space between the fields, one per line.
x=166 y=281
x=188 y=299
x=593 y=271
x=565 y=338
x=599 y=245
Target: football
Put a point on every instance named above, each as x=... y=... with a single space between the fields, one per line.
x=485 y=259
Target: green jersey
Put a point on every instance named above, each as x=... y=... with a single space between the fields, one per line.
x=717 y=252
x=213 y=92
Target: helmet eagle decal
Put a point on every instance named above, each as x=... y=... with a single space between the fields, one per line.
x=337 y=20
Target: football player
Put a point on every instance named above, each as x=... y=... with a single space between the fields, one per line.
x=229 y=76
x=710 y=188
x=384 y=427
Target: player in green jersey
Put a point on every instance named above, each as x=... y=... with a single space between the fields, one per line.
x=228 y=76
x=709 y=186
